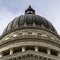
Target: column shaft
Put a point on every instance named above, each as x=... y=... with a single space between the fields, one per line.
x=48 y=51
x=36 y=48
x=59 y=54
x=23 y=49
x=11 y=51
x=1 y=54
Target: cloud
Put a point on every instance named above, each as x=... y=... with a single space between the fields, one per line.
x=5 y=18
x=49 y=9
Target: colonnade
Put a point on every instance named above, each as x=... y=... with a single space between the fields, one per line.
x=11 y=51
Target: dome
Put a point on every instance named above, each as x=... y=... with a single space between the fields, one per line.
x=28 y=19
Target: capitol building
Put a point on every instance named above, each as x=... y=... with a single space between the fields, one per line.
x=30 y=37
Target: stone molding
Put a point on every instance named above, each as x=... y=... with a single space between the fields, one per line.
x=31 y=34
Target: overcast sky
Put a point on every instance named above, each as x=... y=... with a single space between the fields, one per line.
x=9 y=9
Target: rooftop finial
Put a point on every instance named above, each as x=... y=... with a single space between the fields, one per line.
x=29 y=10
x=29 y=6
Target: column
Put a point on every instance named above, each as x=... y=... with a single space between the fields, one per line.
x=58 y=54
x=36 y=48
x=48 y=51
x=1 y=54
x=33 y=24
x=11 y=51
x=25 y=24
x=23 y=49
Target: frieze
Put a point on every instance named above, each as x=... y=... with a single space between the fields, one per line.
x=31 y=33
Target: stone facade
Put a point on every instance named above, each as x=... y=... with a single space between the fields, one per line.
x=30 y=43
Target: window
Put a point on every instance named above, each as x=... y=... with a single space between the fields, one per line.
x=7 y=52
x=42 y=49
x=17 y=49
x=30 y=48
x=53 y=52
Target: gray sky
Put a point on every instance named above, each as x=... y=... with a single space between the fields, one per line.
x=9 y=9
